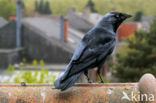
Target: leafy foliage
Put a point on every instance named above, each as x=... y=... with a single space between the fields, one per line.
x=102 y=6
x=36 y=5
x=23 y=4
x=138 y=16
x=7 y=8
x=47 y=9
x=43 y=7
x=139 y=57
x=29 y=76
x=91 y=5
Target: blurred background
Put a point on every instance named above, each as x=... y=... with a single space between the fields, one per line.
x=38 y=38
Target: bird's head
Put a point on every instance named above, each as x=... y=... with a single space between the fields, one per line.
x=115 y=18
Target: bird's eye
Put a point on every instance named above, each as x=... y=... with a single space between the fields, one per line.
x=122 y=17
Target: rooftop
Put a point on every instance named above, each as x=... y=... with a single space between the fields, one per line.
x=3 y=21
x=50 y=28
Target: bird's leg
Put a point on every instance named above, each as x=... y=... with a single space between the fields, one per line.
x=99 y=73
x=86 y=74
x=23 y=84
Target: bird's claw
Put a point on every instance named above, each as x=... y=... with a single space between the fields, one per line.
x=101 y=81
x=23 y=84
x=89 y=81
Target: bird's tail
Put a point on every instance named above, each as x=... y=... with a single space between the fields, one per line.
x=63 y=85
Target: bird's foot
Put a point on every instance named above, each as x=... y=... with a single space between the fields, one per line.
x=23 y=84
x=53 y=88
x=90 y=81
x=102 y=81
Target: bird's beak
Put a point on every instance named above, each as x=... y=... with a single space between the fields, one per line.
x=128 y=15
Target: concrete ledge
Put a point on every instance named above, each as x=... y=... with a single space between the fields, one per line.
x=9 y=56
x=80 y=93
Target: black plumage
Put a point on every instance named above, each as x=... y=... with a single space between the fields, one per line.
x=92 y=51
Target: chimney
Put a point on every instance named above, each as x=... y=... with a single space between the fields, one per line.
x=18 y=24
x=65 y=30
x=12 y=17
x=71 y=10
x=61 y=27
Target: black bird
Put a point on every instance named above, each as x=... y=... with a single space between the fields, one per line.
x=92 y=51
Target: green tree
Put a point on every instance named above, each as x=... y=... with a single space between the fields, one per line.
x=139 y=57
x=23 y=4
x=36 y=6
x=91 y=5
x=138 y=16
x=102 y=6
x=47 y=9
x=41 y=7
x=7 y=8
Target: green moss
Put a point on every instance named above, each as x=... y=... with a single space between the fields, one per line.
x=38 y=76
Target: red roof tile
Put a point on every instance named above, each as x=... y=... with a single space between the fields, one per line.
x=125 y=30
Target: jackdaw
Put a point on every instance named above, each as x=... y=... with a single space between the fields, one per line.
x=92 y=51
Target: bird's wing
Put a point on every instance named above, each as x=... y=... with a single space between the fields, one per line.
x=86 y=57
x=75 y=58
x=79 y=52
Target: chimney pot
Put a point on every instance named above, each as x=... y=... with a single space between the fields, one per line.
x=65 y=30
